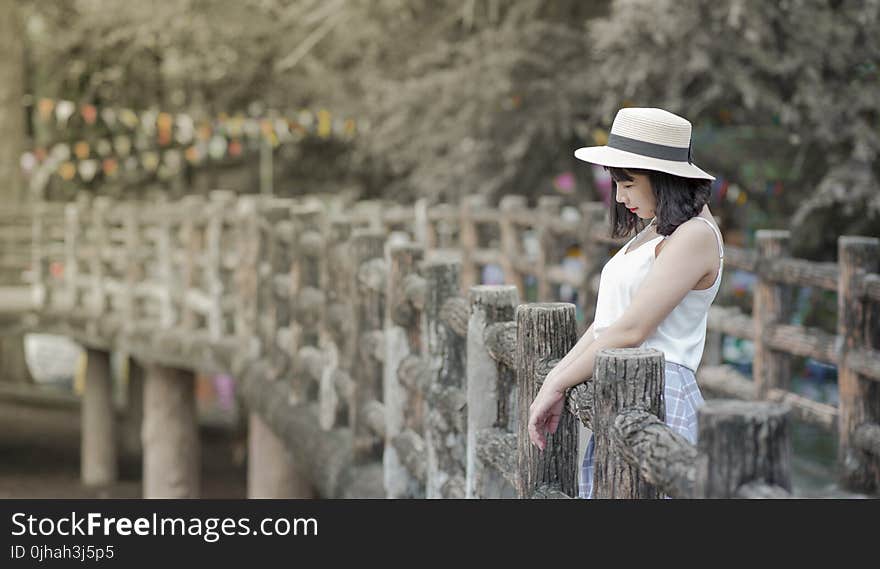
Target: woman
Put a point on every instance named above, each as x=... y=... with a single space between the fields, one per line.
x=646 y=298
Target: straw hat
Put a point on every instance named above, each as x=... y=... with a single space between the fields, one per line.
x=652 y=139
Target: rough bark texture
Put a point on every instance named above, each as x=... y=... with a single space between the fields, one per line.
x=500 y=341
x=445 y=430
x=98 y=451
x=740 y=443
x=271 y=471
x=771 y=369
x=579 y=401
x=624 y=378
x=410 y=447
x=858 y=326
x=455 y=313
x=170 y=434
x=491 y=397
x=544 y=331
x=496 y=453
x=662 y=456
x=867 y=439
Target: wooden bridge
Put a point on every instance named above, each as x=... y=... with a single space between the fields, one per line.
x=365 y=348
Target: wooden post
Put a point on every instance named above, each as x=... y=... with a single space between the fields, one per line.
x=192 y=243
x=510 y=245
x=403 y=403
x=247 y=279
x=445 y=429
x=469 y=240
x=276 y=251
x=98 y=300
x=545 y=332
x=623 y=378
x=41 y=279
x=98 y=459
x=170 y=434
x=741 y=443
x=134 y=409
x=308 y=279
x=271 y=471
x=491 y=393
x=423 y=228
x=548 y=214
x=368 y=256
x=168 y=314
x=220 y=202
x=857 y=328
x=593 y=218
x=337 y=333
x=771 y=369
x=71 y=253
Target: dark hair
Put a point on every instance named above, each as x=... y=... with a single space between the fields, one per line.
x=678 y=200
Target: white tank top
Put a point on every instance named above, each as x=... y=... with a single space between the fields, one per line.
x=682 y=334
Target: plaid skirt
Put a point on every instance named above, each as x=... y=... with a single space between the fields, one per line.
x=683 y=398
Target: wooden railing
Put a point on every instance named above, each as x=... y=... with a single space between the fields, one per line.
x=359 y=333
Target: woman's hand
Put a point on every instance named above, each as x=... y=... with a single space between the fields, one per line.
x=544 y=414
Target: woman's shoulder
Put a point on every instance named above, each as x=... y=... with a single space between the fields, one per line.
x=691 y=236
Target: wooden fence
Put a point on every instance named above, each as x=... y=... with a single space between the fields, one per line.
x=361 y=337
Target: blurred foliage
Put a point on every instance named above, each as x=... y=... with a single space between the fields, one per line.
x=492 y=97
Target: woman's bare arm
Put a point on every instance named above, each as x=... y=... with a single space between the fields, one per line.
x=574 y=353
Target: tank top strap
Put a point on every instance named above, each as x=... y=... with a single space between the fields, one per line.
x=717 y=234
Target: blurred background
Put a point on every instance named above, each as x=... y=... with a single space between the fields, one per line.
x=409 y=99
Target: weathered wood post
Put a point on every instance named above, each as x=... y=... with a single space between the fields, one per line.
x=170 y=434
x=771 y=369
x=510 y=245
x=221 y=201
x=593 y=215
x=423 y=227
x=40 y=264
x=246 y=279
x=98 y=465
x=337 y=334
x=307 y=293
x=743 y=450
x=275 y=254
x=445 y=327
x=857 y=327
x=545 y=333
x=469 y=240
x=368 y=255
x=193 y=243
x=624 y=378
x=134 y=409
x=548 y=213
x=403 y=391
x=97 y=303
x=491 y=388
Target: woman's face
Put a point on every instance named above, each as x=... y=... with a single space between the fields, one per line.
x=637 y=195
